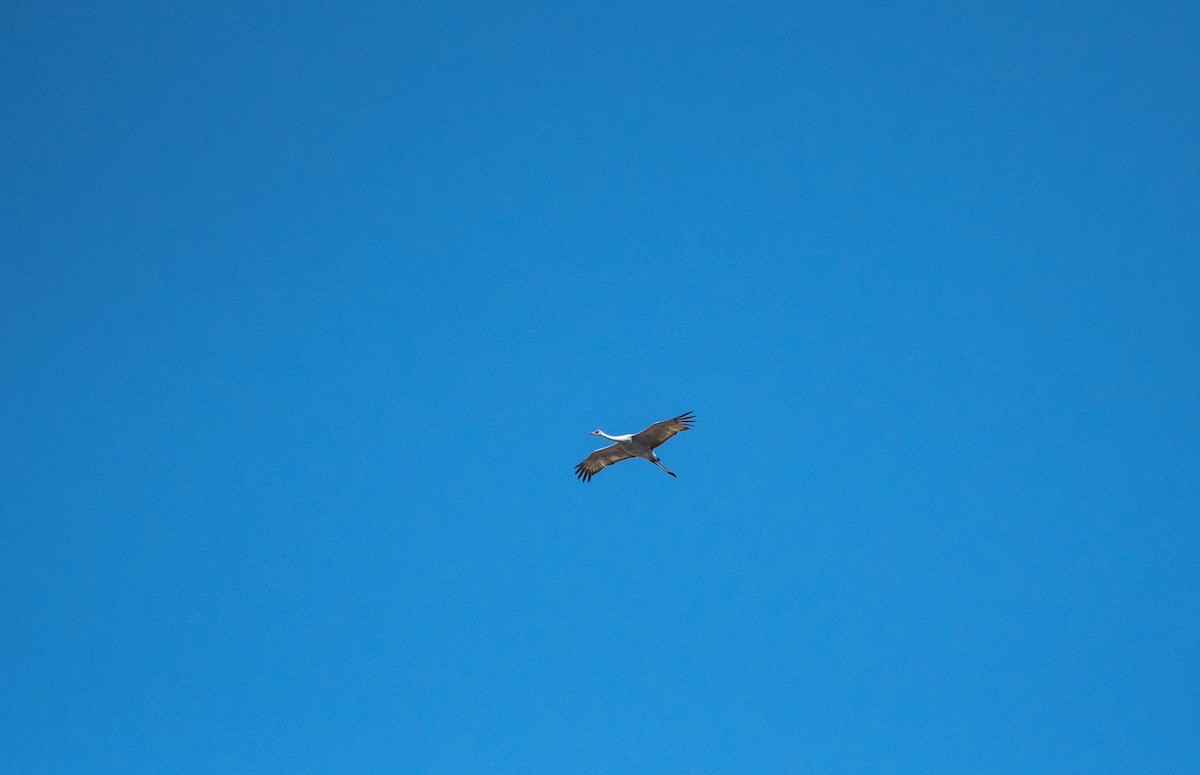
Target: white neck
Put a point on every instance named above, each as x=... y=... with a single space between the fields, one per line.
x=610 y=438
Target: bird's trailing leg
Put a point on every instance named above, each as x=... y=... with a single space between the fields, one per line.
x=660 y=465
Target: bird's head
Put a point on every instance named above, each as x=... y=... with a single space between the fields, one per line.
x=596 y=433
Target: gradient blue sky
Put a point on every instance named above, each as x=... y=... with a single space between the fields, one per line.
x=306 y=311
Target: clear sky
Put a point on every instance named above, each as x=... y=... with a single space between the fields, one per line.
x=306 y=311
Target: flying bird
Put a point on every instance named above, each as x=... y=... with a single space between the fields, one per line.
x=633 y=445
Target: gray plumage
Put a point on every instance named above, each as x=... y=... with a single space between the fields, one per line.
x=633 y=445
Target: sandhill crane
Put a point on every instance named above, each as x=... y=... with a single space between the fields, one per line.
x=633 y=445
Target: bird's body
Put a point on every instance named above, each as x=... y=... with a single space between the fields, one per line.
x=630 y=445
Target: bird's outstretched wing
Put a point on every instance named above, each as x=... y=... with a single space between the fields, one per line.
x=661 y=431
x=601 y=458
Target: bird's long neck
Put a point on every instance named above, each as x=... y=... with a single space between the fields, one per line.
x=610 y=438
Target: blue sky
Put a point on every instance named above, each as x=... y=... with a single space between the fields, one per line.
x=306 y=311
